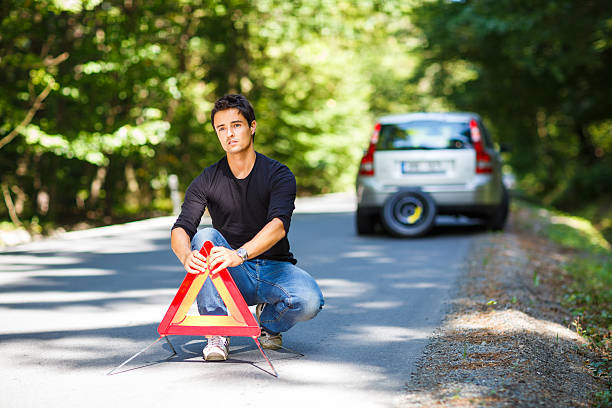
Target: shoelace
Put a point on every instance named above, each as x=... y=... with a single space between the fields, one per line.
x=268 y=335
x=217 y=341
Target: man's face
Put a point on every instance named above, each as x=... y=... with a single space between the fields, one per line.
x=233 y=131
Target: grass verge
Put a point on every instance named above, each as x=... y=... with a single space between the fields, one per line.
x=589 y=292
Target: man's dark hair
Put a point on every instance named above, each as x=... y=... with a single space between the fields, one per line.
x=234 y=101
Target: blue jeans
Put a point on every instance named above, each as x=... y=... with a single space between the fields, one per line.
x=291 y=294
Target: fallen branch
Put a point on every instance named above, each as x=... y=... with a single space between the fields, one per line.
x=37 y=102
x=10 y=206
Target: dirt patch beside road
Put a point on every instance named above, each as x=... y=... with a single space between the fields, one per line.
x=507 y=341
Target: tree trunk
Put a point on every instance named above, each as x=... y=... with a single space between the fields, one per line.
x=96 y=185
x=132 y=199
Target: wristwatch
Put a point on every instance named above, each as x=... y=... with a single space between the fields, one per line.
x=243 y=254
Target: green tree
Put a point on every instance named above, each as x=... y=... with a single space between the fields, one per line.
x=538 y=72
x=101 y=100
x=104 y=113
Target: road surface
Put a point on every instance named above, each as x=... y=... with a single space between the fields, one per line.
x=74 y=307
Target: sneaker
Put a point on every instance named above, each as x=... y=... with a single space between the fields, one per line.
x=216 y=349
x=270 y=341
x=267 y=340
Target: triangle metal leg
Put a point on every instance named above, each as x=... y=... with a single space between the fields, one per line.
x=171 y=347
x=142 y=351
x=265 y=356
x=293 y=351
x=274 y=373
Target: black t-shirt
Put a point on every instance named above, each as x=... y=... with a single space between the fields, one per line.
x=240 y=208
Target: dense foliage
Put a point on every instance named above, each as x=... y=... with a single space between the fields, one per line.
x=539 y=71
x=103 y=99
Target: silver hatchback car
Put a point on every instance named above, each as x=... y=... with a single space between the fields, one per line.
x=419 y=165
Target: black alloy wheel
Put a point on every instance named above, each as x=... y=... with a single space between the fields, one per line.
x=409 y=213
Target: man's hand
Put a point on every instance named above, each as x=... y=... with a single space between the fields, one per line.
x=195 y=262
x=221 y=258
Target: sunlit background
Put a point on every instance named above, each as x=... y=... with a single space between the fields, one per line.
x=102 y=100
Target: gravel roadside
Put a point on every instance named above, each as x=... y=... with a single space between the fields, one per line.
x=506 y=340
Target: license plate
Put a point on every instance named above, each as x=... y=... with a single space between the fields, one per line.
x=425 y=167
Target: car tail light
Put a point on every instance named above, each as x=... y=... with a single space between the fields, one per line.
x=483 y=159
x=367 y=162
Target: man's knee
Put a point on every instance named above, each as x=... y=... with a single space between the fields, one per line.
x=206 y=234
x=308 y=304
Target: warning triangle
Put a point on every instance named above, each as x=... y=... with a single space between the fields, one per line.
x=238 y=322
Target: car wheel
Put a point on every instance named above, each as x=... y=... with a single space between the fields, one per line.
x=365 y=222
x=409 y=213
x=497 y=220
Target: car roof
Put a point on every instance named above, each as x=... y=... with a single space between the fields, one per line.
x=437 y=116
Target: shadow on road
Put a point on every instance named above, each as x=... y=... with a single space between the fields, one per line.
x=383 y=299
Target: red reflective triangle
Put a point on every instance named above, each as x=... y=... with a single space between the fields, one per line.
x=238 y=322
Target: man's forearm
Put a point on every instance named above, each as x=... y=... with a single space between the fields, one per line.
x=221 y=257
x=265 y=239
x=180 y=243
x=193 y=261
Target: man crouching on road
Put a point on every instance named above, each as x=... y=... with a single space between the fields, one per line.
x=250 y=198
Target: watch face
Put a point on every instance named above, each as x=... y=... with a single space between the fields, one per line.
x=242 y=252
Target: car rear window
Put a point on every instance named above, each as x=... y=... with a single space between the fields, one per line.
x=425 y=135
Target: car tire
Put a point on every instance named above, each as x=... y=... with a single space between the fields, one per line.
x=365 y=222
x=497 y=220
x=409 y=213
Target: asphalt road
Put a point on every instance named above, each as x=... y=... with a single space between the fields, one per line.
x=74 y=307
